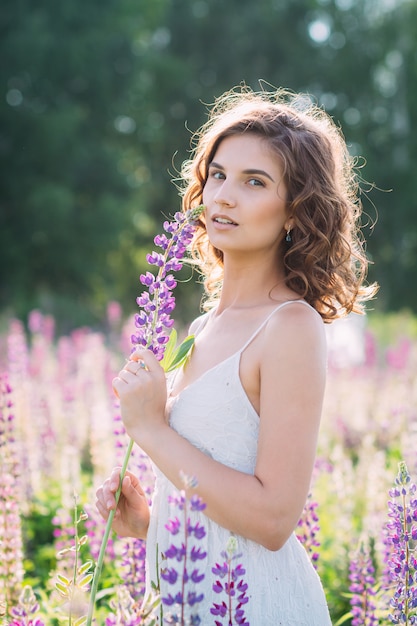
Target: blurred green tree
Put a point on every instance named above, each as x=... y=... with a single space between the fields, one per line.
x=100 y=102
x=64 y=208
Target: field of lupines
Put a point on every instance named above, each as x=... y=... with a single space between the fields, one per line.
x=60 y=435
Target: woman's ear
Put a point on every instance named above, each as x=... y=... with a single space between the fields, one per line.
x=289 y=225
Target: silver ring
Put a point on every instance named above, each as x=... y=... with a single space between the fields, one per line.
x=142 y=366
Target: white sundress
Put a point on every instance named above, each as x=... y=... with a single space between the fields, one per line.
x=216 y=416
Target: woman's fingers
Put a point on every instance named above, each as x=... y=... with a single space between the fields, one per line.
x=146 y=359
x=142 y=367
x=130 y=488
x=134 y=367
x=114 y=480
x=105 y=494
x=133 y=483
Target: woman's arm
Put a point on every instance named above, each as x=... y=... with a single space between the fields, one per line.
x=264 y=507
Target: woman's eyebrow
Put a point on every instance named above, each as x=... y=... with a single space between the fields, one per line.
x=247 y=172
x=216 y=165
x=259 y=173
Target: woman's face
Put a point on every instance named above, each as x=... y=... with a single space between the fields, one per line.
x=245 y=196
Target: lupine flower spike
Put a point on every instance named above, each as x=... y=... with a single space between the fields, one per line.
x=154 y=328
x=73 y=589
x=133 y=551
x=184 y=551
x=154 y=322
x=25 y=612
x=128 y=613
x=308 y=528
x=11 y=551
x=233 y=588
x=363 y=589
x=401 y=541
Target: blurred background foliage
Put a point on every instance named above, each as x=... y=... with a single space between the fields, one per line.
x=99 y=101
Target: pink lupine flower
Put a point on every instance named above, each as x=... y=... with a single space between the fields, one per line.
x=114 y=313
x=11 y=551
x=397 y=356
x=41 y=325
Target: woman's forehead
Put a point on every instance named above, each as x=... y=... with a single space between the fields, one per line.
x=249 y=150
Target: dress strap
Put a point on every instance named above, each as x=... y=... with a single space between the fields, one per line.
x=266 y=320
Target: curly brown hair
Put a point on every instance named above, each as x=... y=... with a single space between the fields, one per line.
x=325 y=263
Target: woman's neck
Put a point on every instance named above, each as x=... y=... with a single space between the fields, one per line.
x=251 y=284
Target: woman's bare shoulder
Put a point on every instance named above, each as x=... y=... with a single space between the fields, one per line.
x=295 y=325
x=198 y=323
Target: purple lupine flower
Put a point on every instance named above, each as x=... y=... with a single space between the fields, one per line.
x=26 y=610
x=152 y=324
x=401 y=540
x=133 y=551
x=185 y=579
x=31 y=622
x=133 y=564
x=362 y=577
x=154 y=321
x=308 y=528
x=126 y=610
x=233 y=588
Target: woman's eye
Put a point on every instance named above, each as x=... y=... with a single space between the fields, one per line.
x=255 y=182
x=217 y=175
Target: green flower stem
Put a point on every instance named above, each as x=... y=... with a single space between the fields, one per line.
x=74 y=578
x=103 y=547
x=177 y=357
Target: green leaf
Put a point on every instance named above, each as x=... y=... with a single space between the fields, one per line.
x=63 y=579
x=169 y=349
x=85 y=580
x=181 y=353
x=80 y=621
x=344 y=619
x=85 y=567
x=63 y=590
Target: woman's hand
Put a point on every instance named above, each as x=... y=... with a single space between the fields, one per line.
x=141 y=388
x=131 y=518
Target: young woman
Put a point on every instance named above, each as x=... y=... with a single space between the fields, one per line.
x=279 y=248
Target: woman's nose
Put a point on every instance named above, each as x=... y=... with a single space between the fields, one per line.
x=225 y=194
